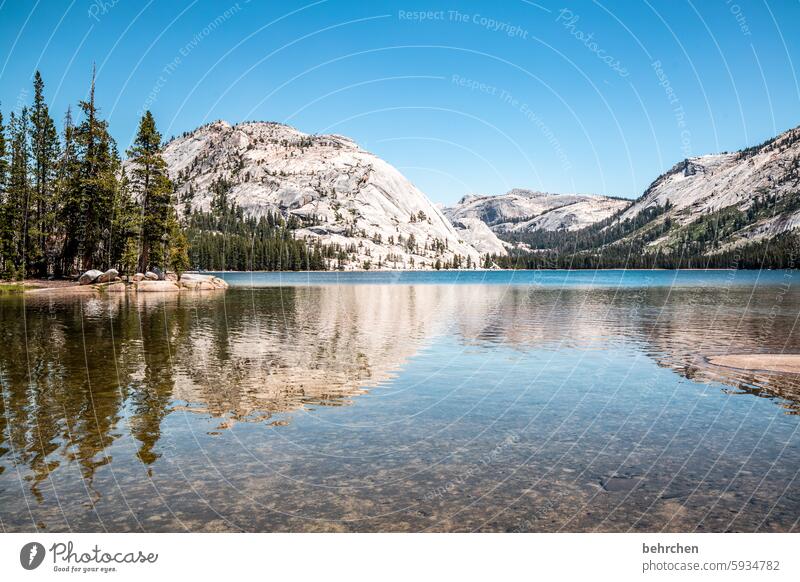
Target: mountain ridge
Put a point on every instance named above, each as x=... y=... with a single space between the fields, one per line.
x=521 y=210
x=347 y=196
x=710 y=210
x=341 y=193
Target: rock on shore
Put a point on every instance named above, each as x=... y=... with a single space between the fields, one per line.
x=198 y=282
x=108 y=276
x=148 y=286
x=90 y=277
x=109 y=281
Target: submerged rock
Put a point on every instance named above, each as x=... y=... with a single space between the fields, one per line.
x=782 y=363
x=89 y=277
x=620 y=483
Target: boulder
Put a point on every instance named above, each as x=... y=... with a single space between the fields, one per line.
x=89 y=277
x=151 y=276
x=138 y=277
x=119 y=287
x=196 y=277
x=148 y=286
x=108 y=276
x=197 y=282
x=159 y=273
x=171 y=276
x=190 y=285
x=219 y=283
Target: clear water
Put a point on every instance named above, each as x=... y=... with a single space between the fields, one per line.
x=549 y=278
x=471 y=401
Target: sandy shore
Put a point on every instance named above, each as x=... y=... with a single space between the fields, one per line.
x=787 y=363
x=55 y=286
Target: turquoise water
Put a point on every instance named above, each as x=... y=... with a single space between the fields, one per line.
x=549 y=278
x=480 y=401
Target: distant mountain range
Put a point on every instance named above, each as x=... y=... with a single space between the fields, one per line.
x=526 y=211
x=728 y=199
x=737 y=209
x=702 y=211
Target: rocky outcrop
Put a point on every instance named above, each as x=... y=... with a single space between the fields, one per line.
x=479 y=235
x=171 y=284
x=527 y=210
x=756 y=187
x=198 y=282
x=339 y=192
x=148 y=286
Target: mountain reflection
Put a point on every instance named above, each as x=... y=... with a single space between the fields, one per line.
x=78 y=373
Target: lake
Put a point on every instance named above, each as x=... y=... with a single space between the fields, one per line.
x=445 y=401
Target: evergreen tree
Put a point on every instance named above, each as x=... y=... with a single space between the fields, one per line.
x=91 y=189
x=178 y=247
x=68 y=194
x=5 y=245
x=96 y=187
x=130 y=257
x=45 y=151
x=18 y=197
x=152 y=188
x=125 y=228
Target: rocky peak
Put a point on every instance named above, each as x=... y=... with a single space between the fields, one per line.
x=344 y=194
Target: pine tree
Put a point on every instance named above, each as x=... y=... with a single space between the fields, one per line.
x=130 y=257
x=18 y=197
x=152 y=188
x=178 y=246
x=125 y=228
x=45 y=151
x=92 y=198
x=68 y=180
x=4 y=176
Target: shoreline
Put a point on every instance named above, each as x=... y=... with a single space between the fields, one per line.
x=491 y=270
x=66 y=286
x=194 y=282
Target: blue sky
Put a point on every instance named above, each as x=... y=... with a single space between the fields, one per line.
x=463 y=97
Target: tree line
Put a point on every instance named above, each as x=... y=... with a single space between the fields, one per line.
x=224 y=238
x=780 y=252
x=69 y=204
x=614 y=244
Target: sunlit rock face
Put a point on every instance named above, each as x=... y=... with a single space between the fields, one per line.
x=480 y=218
x=705 y=184
x=346 y=194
